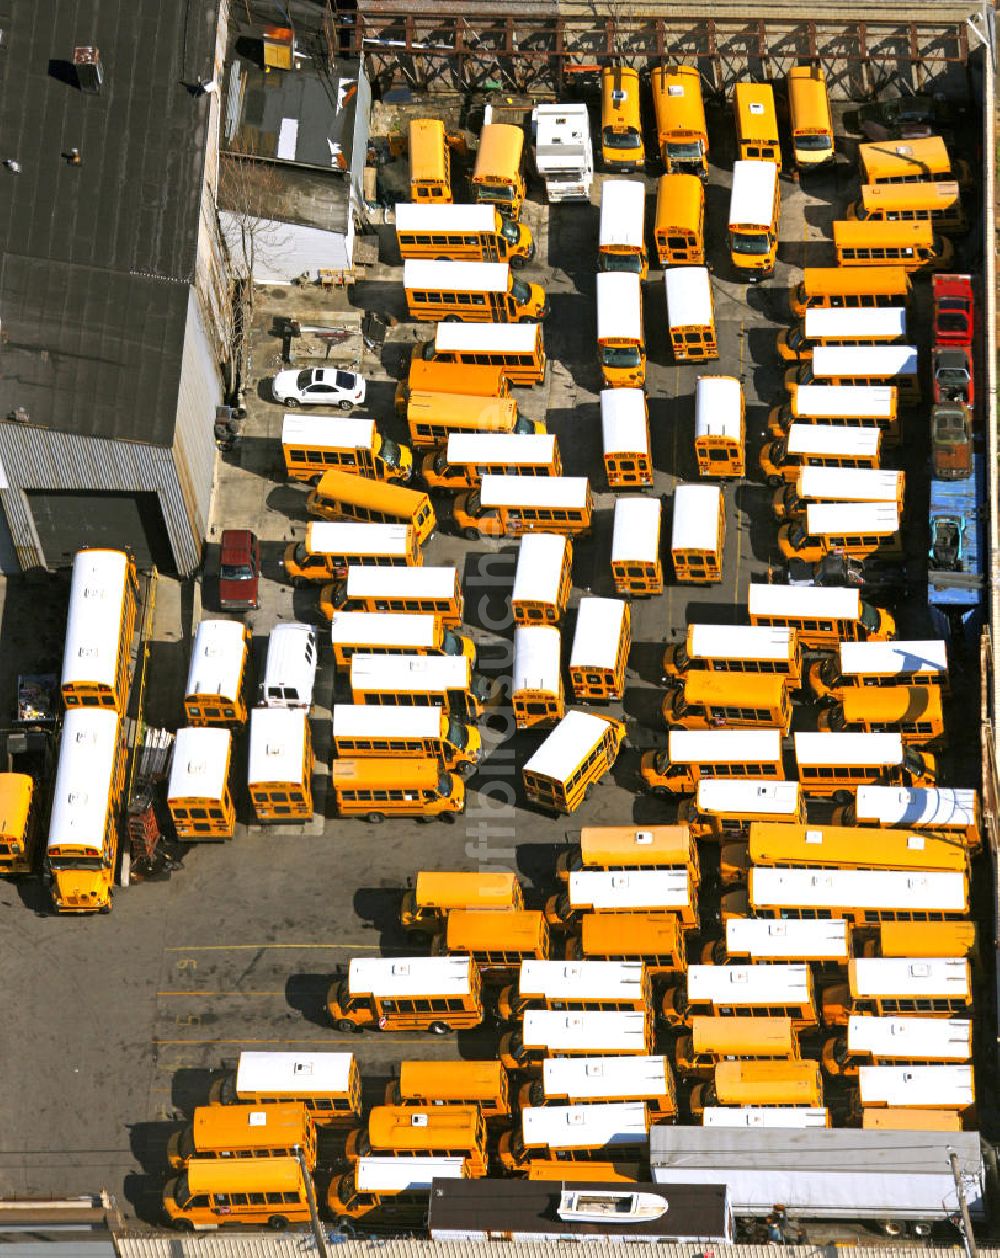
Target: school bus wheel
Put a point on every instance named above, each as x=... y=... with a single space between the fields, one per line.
x=375 y=818
x=451 y=318
x=439 y=1028
x=277 y=1223
x=470 y=535
x=344 y=1026
x=183 y=1225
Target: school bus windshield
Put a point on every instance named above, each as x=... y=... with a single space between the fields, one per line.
x=520 y=291
x=622 y=262
x=753 y=243
x=390 y=452
x=620 y=355
x=510 y=231
x=690 y=152
x=458 y=735
x=76 y=862
x=628 y=138
x=813 y=142
x=869 y=617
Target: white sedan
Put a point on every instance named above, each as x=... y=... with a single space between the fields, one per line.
x=326 y=386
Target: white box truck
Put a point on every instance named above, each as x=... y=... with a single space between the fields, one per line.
x=564 y=154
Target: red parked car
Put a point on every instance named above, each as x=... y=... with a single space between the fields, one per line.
x=239 y=570
x=954 y=309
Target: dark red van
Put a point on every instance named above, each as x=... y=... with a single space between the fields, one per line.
x=239 y=570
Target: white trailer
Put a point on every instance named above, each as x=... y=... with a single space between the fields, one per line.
x=564 y=154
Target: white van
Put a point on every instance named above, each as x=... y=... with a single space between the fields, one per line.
x=290 y=671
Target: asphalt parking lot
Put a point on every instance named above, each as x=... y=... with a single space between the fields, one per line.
x=114 y=1024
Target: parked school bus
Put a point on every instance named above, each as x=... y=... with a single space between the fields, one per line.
x=724 y=810
x=913 y=246
x=467 y=233
x=214 y=693
x=839 y=406
x=216 y=1192
x=825 y=325
x=861 y=366
x=681 y=131
x=438 y=1130
x=690 y=313
x=607 y=1080
x=600 y=650
x=571 y=1133
x=543 y=984
x=546 y=1033
x=736 y=649
x=656 y=939
x=626 y=891
x=100 y=623
x=381 y=633
x=810 y=117
x=621 y=342
x=862 y=896
x=759 y=1083
x=617 y=848
x=838 y=484
x=432 y=591
x=911 y=1120
x=429 y=1083
x=330 y=548
x=239 y=1132
x=82 y=847
x=573 y=758
x=857 y=529
x=695 y=754
x=761 y=940
x=756 y=123
x=19 y=819
x=312 y=444
x=754 y=212
x=836 y=764
x=822 y=617
x=915 y=712
x=425 y=908
x=438 y=994
x=468 y=457
x=931 y=1087
x=679 y=221
x=279 y=773
x=849 y=288
x=434 y=417
x=719 y=426
x=507 y=506
x=621 y=236
x=939 y=204
x=922 y=939
x=198 y=797
x=908 y=161
x=497 y=177
x=497 y=942
x=715 y=1039
x=537 y=692
x=758 y=991
x=872 y=1039
x=430 y=162
x=472 y=292
x=621 y=127
x=818 y=445
x=936 y=986
x=841 y=847
x=698 y=533
x=421 y=681
x=707 y=700
x=636 y=565
x=327 y=1084
x=877 y=664
x=341 y=496
x=439 y=377
x=543 y=578
x=360 y=731
x=397 y=1188
x=380 y=787
x=628 y=459
x=943 y=810
x=517 y=349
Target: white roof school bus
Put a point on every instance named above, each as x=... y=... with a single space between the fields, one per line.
x=758 y=1116
x=942 y=810
x=837 y=764
x=838 y=484
x=724 y=810
x=103 y=601
x=575 y=756
x=661 y=891
x=873 y=1039
x=917 y=1087
x=843 y=406
x=818 y=445
x=760 y=939
x=517 y=348
x=752 y=649
x=214 y=694
x=719 y=426
x=420 y=680
x=576 y=1080
x=628 y=459
x=823 y=616
x=636 y=565
x=474 y=292
x=543 y=578
x=865 y=896
x=328 y=1084
x=898 y=663
x=621 y=342
x=537 y=693
x=279 y=772
x=437 y=591
x=198 y=797
x=757 y=991
x=546 y=1033
x=717 y=753
x=600 y=649
x=571 y=1133
x=698 y=533
x=690 y=313
x=621 y=238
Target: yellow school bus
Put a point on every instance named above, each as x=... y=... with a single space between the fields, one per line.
x=437 y=994
x=574 y=757
x=636 y=563
x=911 y=1120
x=433 y=1131
x=381 y=633
x=600 y=650
x=537 y=693
x=908 y=161
x=628 y=458
x=427 y=1083
x=924 y=939
x=245 y=1131
x=754 y=213
x=860 y=366
x=947 y=811
x=279 y=776
x=835 y=484
x=759 y=1083
x=720 y=426
x=821 y=325
x=836 y=764
x=695 y=754
x=433 y=591
x=19 y=809
x=518 y=349
x=330 y=548
x=430 y=162
x=469 y=456
x=699 y=533
x=836 y=847
x=715 y=1039
x=507 y=506
x=752 y=991
x=543 y=579
x=568 y=1134
x=858 y=529
x=82 y=848
x=341 y=496
x=311 y=444
x=724 y=810
x=586 y=1081
x=939 y=987
x=465 y=233
x=810 y=117
x=435 y=893
x=664 y=890
x=690 y=313
x=709 y=700
x=913 y=246
x=396 y=1187
x=103 y=600
x=849 y=288
x=473 y=292
x=878 y=664
x=939 y=204
x=874 y=1039
x=430 y=733
x=214 y=693
x=498 y=941
x=914 y=711
x=822 y=617
x=679 y=224
x=198 y=797
x=497 y=178
x=616 y=848
x=402 y=680
x=218 y=1192
x=439 y=377
x=863 y=897
x=681 y=131
x=327 y=1084
x=736 y=649
x=385 y=786
x=433 y=418
x=621 y=340
x=621 y=127
x=818 y=445
x=756 y=123
x=621 y=235
x=656 y=939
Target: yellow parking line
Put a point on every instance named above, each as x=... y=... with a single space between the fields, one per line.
x=325 y=1039
x=257 y=947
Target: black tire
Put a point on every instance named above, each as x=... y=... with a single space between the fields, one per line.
x=344 y=1025
x=439 y=1028
x=292 y=402
x=346 y=406
x=453 y=318
x=277 y=1223
x=375 y=818
x=842 y=797
x=773 y=482
x=471 y=535
x=447 y=817
x=661 y=792
x=518 y=262
x=183 y=1225
x=423 y=821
